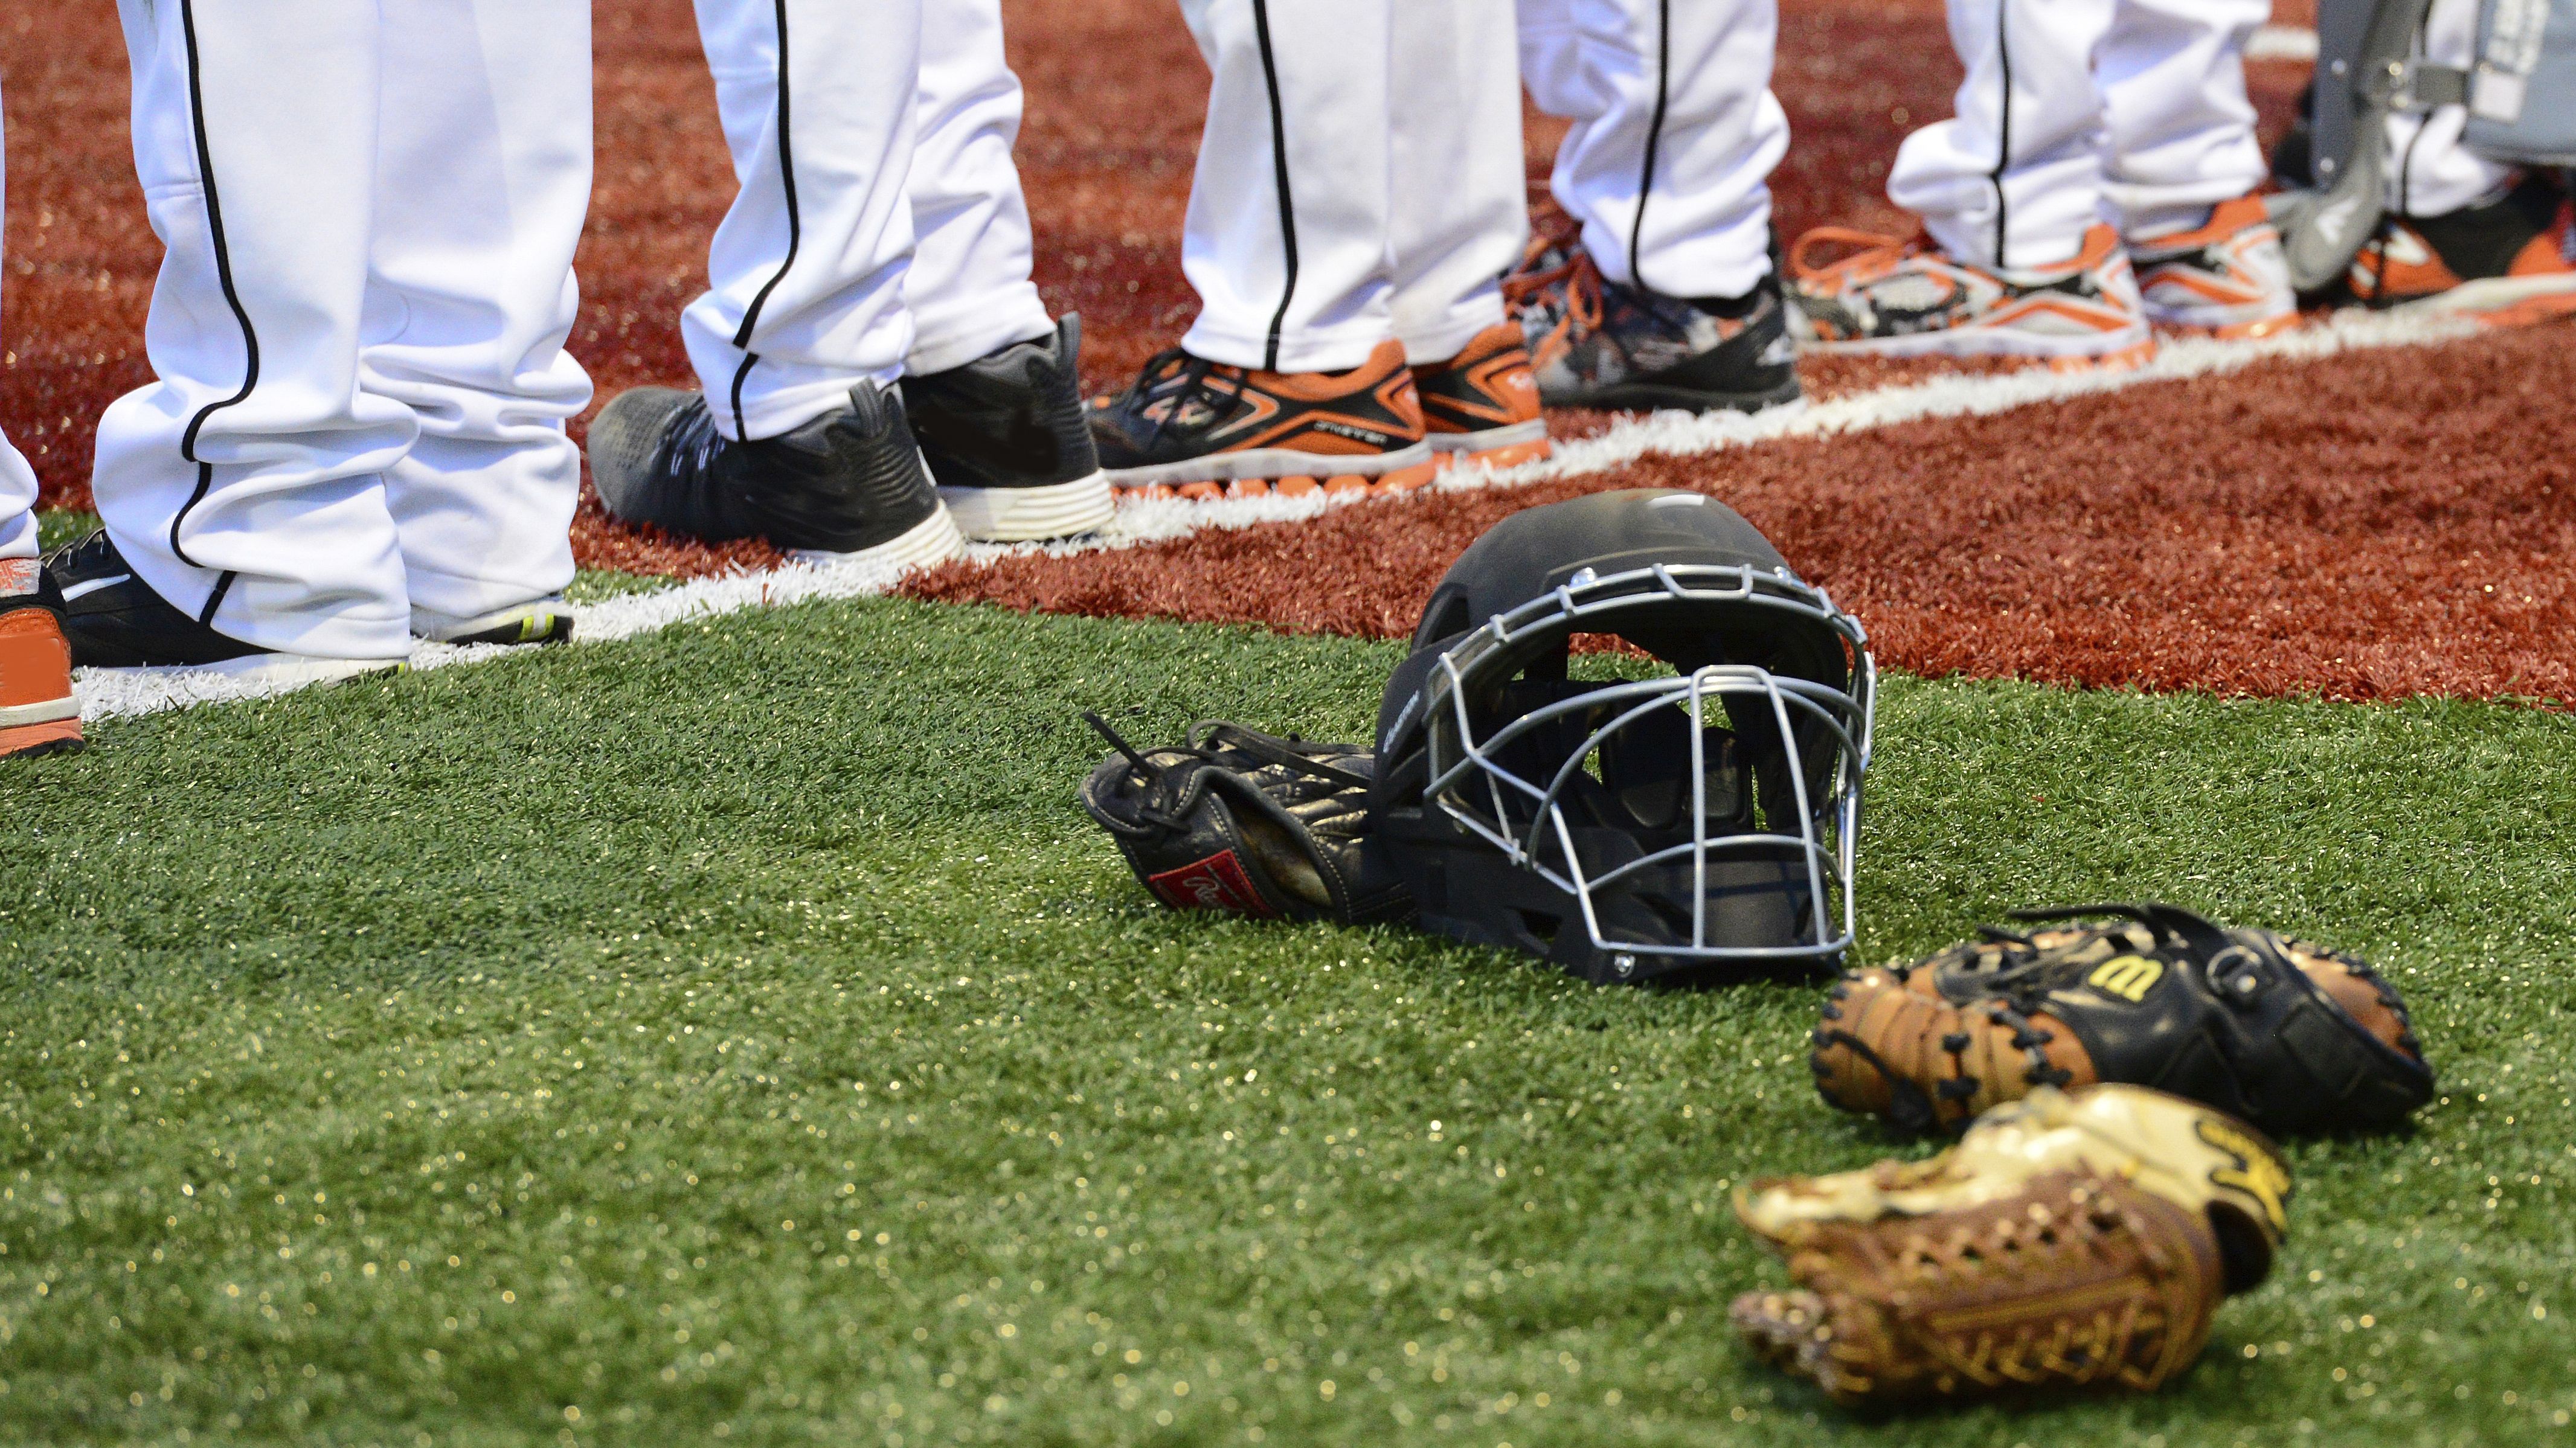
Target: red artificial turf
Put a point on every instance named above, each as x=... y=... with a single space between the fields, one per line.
x=2389 y=523
x=2290 y=528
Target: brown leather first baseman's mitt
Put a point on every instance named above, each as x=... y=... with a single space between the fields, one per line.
x=2077 y=1240
x=2288 y=1035
x=1247 y=822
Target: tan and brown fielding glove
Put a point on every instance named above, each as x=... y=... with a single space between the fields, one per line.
x=2067 y=1240
x=2288 y=1035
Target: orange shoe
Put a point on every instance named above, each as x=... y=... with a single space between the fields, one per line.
x=2504 y=263
x=1481 y=406
x=2227 y=277
x=1194 y=428
x=38 y=713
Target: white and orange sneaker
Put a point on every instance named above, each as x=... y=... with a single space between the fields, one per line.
x=2505 y=263
x=1905 y=298
x=1480 y=408
x=38 y=712
x=2227 y=277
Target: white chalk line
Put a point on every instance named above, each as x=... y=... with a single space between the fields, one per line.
x=119 y=693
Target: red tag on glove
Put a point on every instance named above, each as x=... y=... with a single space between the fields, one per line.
x=1215 y=883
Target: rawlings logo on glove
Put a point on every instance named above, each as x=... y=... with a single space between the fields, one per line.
x=1249 y=823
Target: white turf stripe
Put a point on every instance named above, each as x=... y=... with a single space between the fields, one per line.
x=2282 y=42
x=109 y=693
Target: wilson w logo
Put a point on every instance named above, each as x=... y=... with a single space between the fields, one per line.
x=2129 y=977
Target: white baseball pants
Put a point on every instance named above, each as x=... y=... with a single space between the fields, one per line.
x=2080 y=111
x=1675 y=136
x=17 y=480
x=879 y=227
x=2429 y=172
x=359 y=323
x=1337 y=204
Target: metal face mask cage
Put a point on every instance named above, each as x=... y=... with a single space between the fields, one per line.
x=1537 y=784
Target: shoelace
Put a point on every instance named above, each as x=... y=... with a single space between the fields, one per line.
x=1877 y=251
x=1574 y=278
x=1175 y=374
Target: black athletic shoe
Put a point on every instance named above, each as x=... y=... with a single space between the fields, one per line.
x=115 y=621
x=1596 y=343
x=1007 y=441
x=850 y=485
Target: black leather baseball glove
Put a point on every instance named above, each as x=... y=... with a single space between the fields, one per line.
x=1248 y=822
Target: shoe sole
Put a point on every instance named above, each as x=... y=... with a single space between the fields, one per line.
x=1491 y=447
x=1025 y=515
x=551 y=623
x=1279 y=465
x=2500 y=301
x=934 y=539
x=58 y=735
x=1660 y=397
x=2230 y=331
x=2114 y=348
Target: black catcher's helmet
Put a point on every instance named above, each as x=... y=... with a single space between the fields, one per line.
x=1640 y=823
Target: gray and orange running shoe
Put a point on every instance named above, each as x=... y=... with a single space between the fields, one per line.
x=2227 y=277
x=1906 y=298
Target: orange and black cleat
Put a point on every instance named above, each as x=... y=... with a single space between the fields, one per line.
x=1193 y=428
x=1480 y=408
x=2505 y=263
x=38 y=712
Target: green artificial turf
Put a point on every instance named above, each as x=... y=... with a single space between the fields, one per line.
x=739 y=1035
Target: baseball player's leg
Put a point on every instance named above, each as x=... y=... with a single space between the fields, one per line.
x=38 y=712
x=17 y=479
x=2023 y=258
x=1292 y=369
x=993 y=385
x=968 y=286
x=483 y=177
x=2465 y=233
x=1675 y=135
x=1668 y=298
x=1286 y=237
x=243 y=490
x=2014 y=178
x=1456 y=163
x=2430 y=172
x=2183 y=166
x=807 y=268
x=797 y=435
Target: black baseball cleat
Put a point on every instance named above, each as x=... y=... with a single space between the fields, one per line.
x=1007 y=441
x=849 y=486
x=1596 y=343
x=114 y=620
